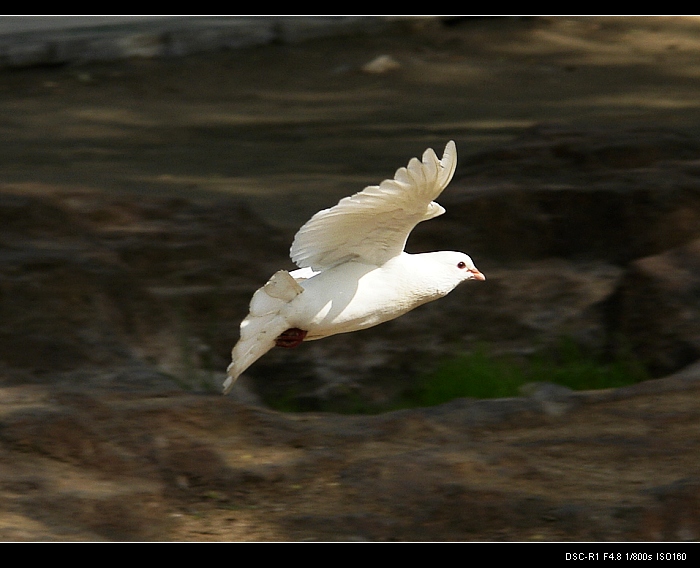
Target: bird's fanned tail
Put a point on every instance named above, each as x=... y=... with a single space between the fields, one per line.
x=263 y=324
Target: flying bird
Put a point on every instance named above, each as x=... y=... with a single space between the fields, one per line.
x=353 y=271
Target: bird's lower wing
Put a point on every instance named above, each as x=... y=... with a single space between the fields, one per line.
x=262 y=325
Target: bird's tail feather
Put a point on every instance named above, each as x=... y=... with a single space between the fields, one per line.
x=263 y=324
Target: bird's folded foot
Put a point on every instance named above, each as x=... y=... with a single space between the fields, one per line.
x=291 y=338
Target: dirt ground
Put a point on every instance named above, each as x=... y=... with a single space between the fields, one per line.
x=291 y=128
x=294 y=127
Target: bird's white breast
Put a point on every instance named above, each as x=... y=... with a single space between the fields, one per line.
x=355 y=296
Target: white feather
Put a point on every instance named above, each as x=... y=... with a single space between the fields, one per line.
x=263 y=323
x=373 y=225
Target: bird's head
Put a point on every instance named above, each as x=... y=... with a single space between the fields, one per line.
x=460 y=265
x=452 y=268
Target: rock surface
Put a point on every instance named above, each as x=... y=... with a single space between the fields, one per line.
x=143 y=202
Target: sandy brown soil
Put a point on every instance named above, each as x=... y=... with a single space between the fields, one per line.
x=290 y=128
x=96 y=465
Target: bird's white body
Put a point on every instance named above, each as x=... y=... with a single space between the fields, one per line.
x=354 y=295
x=354 y=273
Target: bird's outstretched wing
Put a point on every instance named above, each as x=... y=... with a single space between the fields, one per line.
x=373 y=225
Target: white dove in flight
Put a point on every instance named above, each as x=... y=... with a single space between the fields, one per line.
x=353 y=272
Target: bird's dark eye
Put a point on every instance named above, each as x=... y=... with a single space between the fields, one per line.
x=461 y=265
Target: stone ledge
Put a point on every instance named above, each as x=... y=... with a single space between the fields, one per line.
x=41 y=42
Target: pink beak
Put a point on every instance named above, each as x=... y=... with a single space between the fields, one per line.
x=477 y=275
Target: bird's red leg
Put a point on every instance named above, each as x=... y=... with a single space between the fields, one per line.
x=291 y=338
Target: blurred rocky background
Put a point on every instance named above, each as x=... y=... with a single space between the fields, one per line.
x=153 y=173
